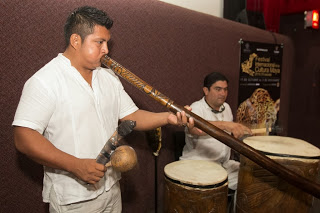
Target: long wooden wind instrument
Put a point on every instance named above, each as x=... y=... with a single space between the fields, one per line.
x=244 y=149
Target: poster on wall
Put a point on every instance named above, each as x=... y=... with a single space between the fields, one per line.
x=259 y=86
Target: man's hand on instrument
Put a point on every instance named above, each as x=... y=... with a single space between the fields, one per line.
x=194 y=130
x=181 y=119
x=88 y=170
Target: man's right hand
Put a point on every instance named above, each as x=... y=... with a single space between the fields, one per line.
x=88 y=170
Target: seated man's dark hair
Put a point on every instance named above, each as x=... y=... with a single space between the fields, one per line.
x=213 y=78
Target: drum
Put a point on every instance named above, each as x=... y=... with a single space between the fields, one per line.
x=195 y=186
x=261 y=191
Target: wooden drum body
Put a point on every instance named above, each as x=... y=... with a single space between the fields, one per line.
x=261 y=191
x=195 y=186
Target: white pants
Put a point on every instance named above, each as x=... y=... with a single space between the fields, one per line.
x=107 y=202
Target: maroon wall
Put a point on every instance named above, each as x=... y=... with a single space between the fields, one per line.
x=169 y=47
x=304 y=110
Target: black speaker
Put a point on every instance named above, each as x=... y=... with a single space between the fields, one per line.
x=232 y=8
x=252 y=18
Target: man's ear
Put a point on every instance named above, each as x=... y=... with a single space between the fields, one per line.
x=205 y=90
x=75 y=41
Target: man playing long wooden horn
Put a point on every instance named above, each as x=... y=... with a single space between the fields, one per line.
x=67 y=112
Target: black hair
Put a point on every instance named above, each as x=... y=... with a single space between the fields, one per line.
x=213 y=78
x=83 y=20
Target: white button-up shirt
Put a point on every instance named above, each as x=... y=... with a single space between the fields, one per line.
x=208 y=148
x=76 y=118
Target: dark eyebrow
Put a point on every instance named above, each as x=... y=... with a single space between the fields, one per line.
x=221 y=87
x=101 y=39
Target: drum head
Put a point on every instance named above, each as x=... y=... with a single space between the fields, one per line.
x=283 y=146
x=196 y=173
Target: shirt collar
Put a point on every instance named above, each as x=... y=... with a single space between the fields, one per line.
x=221 y=109
x=67 y=61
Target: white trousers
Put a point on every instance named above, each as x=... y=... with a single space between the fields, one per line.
x=107 y=202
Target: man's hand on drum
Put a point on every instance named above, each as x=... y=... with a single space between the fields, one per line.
x=238 y=130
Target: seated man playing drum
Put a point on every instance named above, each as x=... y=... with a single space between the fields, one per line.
x=213 y=108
